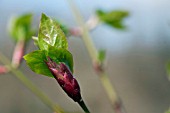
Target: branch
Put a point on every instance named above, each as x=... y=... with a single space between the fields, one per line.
x=25 y=81
x=113 y=97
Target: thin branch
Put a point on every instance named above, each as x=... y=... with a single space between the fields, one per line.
x=16 y=58
x=18 y=53
x=83 y=106
x=113 y=97
x=91 y=24
x=25 y=81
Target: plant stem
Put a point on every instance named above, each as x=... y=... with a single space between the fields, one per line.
x=91 y=24
x=18 y=53
x=86 y=37
x=113 y=97
x=83 y=106
x=20 y=76
x=16 y=58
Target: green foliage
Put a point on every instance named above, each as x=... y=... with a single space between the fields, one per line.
x=51 y=34
x=20 y=27
x=101 y=55
x=61 y=55
x=113 y=18
x=52 y=43
x=36 y=61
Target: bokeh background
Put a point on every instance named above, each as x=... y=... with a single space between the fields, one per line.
x=136 y=57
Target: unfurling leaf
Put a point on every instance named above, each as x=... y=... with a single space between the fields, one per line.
x=52 y=43
x=113 y=18
x=51 y=34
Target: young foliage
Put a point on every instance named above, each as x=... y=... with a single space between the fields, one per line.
x=113 y=18
x=53 y=59
x=50 y=34
x=52 y=43
x=20 y=27
x=35 y=60
x=61 y=55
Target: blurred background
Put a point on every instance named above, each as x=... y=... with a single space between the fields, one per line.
x=136 y=57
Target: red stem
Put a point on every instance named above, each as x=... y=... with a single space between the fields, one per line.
x=18 y=53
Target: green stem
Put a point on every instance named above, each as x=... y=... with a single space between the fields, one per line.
x=110 y=90
x=85 y=35
x=83 y=106
x=113 y=97
x=20 y=76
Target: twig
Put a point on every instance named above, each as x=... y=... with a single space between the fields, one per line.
x=23 y=79
x=83 y=106
x=91 y=24
x=113 y=97
x=16 y=58
x=18 y=53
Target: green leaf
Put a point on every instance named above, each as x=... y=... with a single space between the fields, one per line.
x=52 y=43
x=20 y=27
x=35 y=60
x=113 y=18
x=51 y=34
x=61 y=55
x=101 y=55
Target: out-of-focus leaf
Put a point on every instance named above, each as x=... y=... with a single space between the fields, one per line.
x=20 y=27
x=168 y=69
x=36 y=61
x=50 y=34
x=101 y=55
x=61 y=55
x=113 y=18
